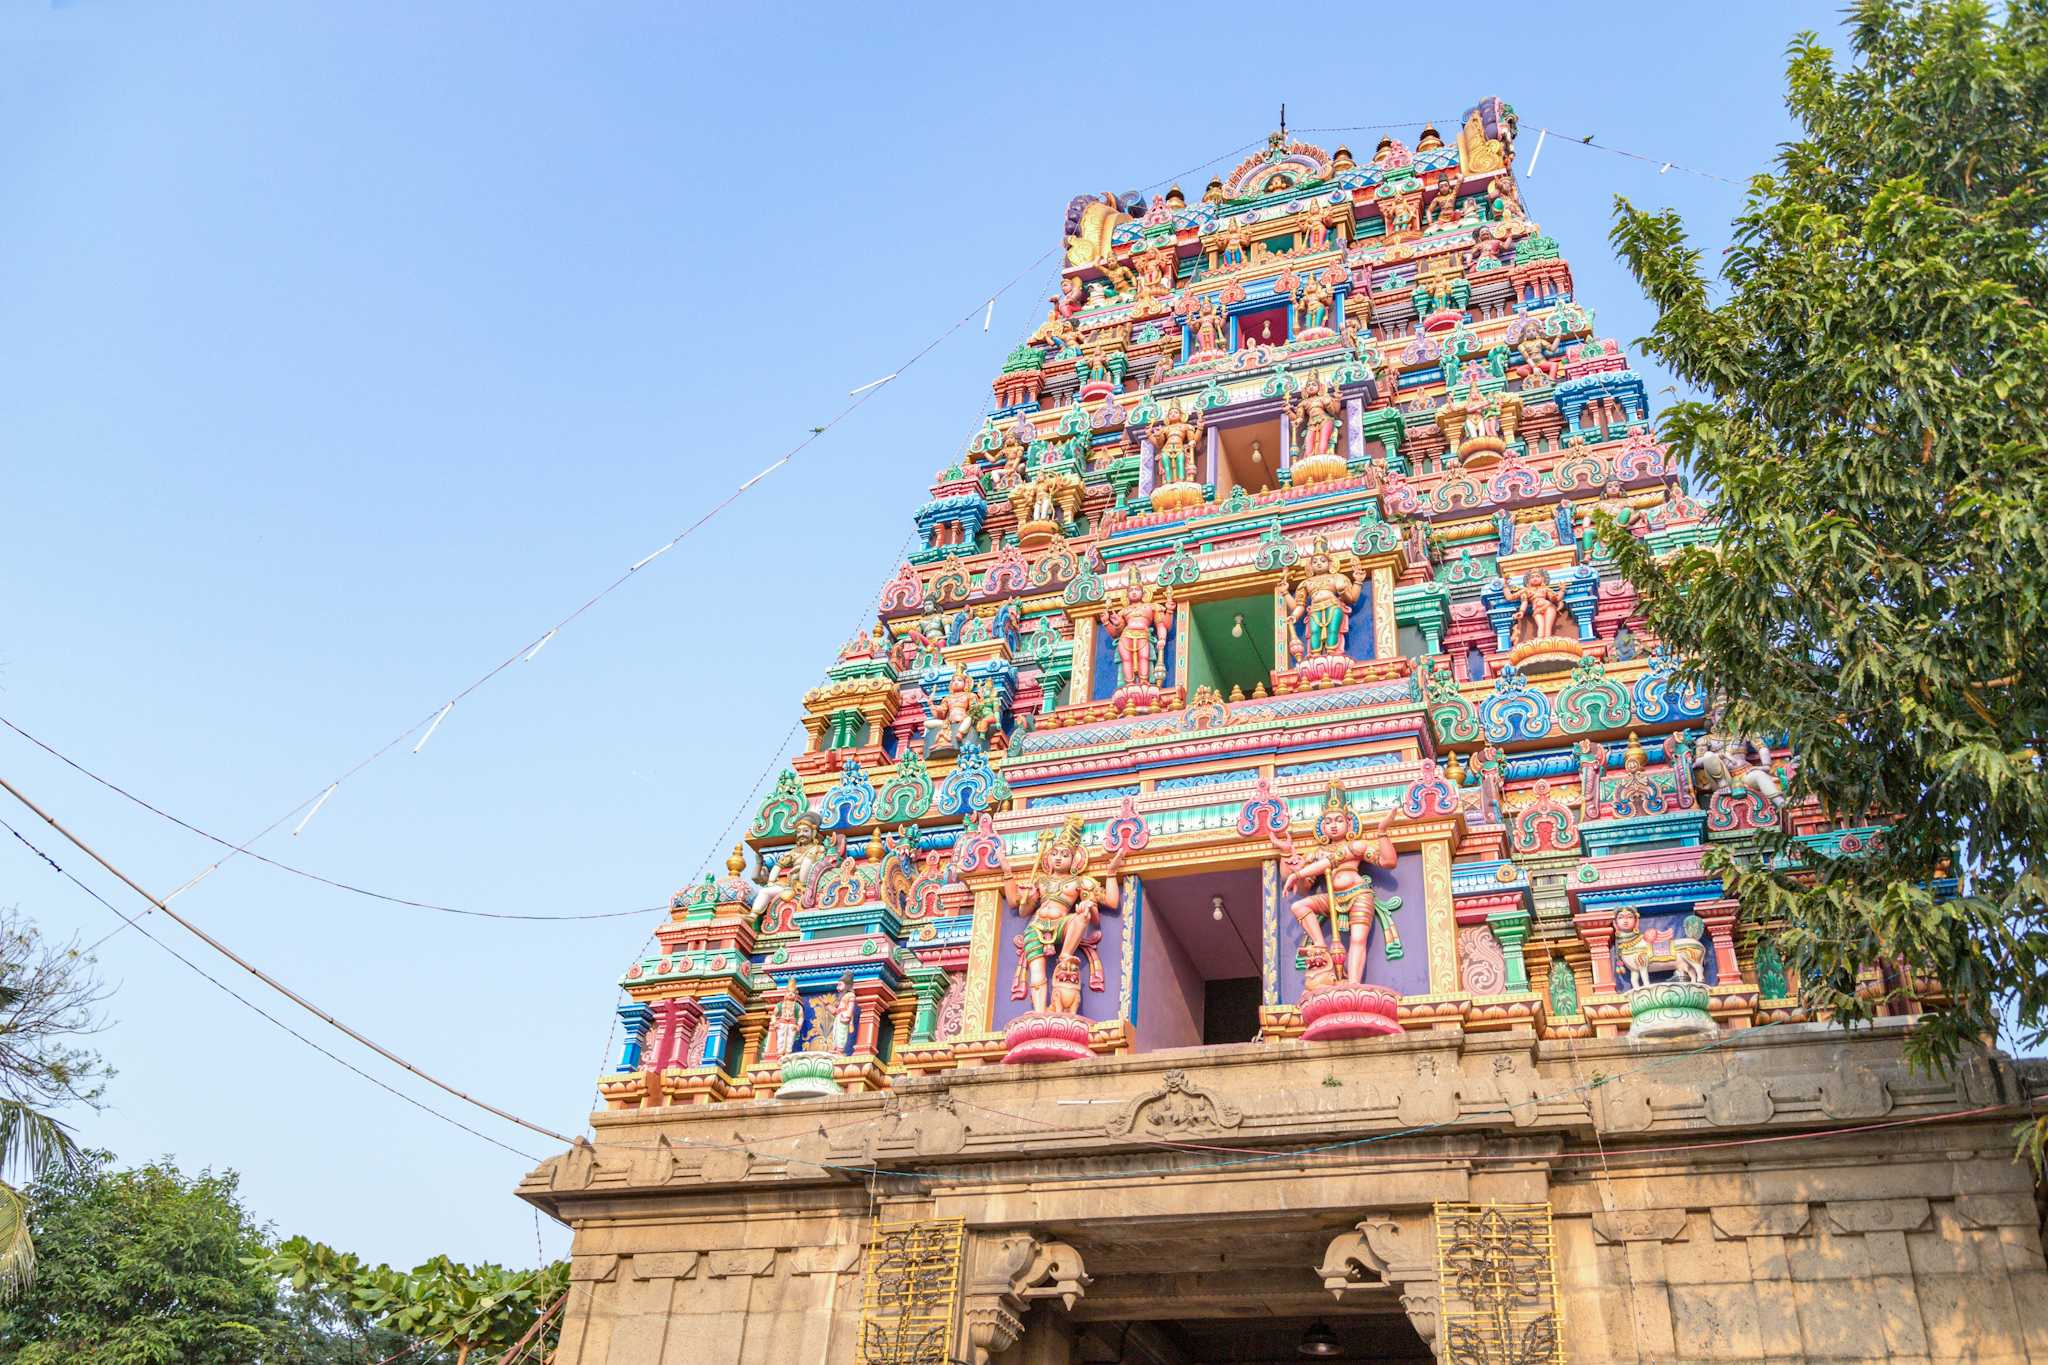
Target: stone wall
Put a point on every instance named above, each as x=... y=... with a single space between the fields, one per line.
x=1295 y=1180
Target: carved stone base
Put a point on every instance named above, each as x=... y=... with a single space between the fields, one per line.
x=1036 y=535
x=1315 y=469
x=1669 y=1009
x=805 y=1074
x=1171 y=497
x=1046 y=1037
x=1142 y=697
x=1347 y=1011
x=1548 y=654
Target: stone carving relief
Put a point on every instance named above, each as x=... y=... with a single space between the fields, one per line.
x=1177 y=1106
x=1009 y=1271
x=1384 y=1252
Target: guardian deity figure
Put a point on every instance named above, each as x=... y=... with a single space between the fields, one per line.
x=1063 y=902
x=1323 y=600
x=1179 y=436
x=1317 y=413
x=1615 y=504
x=1333 y=874
x=1139 y=626
x=786 y=1023
x=1538 y=606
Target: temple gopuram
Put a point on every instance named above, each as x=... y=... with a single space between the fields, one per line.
x=1244 y=898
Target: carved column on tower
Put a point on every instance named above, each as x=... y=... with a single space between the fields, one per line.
x=1596 y=927
x=1719 y=916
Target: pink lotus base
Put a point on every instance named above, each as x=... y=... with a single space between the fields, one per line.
x=1334 y=1012
x=1046 y=1037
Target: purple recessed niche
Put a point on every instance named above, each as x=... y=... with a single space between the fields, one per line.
x=1183 y=946
x=1410 y=973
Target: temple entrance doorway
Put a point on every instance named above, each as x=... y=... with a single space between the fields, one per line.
x=1199 y=972
x=1387 y=1339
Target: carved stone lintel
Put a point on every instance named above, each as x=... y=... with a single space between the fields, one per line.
x=1177 y=1106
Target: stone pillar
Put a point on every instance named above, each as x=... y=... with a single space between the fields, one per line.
x=978 y=1015
x=1286 y=460
x=1641 y=1235
x=1354 y=430
x=1081 y=660
x=1147 y=466
x=1269 y=927
x=721 y=1012
x=871 y=1000
x=1442 y=917
x=1510 y=927
x=1212 y=448
x=1596 y=927
x=676 y=1024
x=930 y=985
x=1386 y=637
x=1719 y=916
x=1395 y=1252
x=1007 y=1272
x=635 y=1016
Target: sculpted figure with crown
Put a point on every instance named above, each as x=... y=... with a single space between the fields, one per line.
x=1063 y=902
x=1332 y=873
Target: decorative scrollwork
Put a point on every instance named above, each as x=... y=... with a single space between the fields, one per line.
x=910 y=1292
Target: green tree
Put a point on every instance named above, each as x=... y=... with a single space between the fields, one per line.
x=1873 y=431
x=149 y=1267
x=49 y=998
x=453 y=1312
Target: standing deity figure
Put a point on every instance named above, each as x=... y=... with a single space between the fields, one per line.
x=785 y=1025
x=1063 y=903
x=1592 y=759
x=1315 y=301
x=1539 y=606
x=1317 y=414
x=1317 y=229
x=1156 y=269
x=1177 y=437
x=1332 y=873
x=1236 y=246
x=1323 y=600
x=1211 y=329
x=795 y=874
x=1139 y=626
x=1615 y=504
x=844 y=1011
x=1492 y=767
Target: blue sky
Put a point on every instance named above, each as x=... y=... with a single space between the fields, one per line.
x=347 y=347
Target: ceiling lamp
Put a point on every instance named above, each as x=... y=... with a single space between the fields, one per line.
x=1319 y=1340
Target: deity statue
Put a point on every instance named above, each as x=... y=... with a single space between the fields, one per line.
x=1625 y=646
x=1592 y=760
x=1315 y=301
x=1139 y=626
x=1731 y=763
x=1539 y=607
x=1336 y=862
x=1318 y=227
x=1492 y=766
x=964 y=712
x=795 y=874
x=785 y=1024
x=1317 y=415
x=1323 y=599
x=1176 y=441
x=844 y=1011
x=1237 y=245
x=1503 y=200
x=1156 y=268
x=1211 y=328
x=1063 y=903
x=1614 y=503
x=1536 y=353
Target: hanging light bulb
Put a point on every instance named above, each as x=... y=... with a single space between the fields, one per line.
x=1216 y=907
x=1237 y=627
x=1257 y=458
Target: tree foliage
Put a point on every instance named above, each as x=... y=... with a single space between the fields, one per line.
x=145 y=1267
x=1874 y=432
x=49 y=999
x=456 y=1312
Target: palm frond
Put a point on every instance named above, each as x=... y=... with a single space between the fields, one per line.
x=17 y=1250
x=31 y=1141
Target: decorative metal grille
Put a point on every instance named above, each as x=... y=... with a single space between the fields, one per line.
x=1498 y=1284
x=910 y=1293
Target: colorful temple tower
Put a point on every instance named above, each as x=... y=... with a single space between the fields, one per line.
x=1258 y=761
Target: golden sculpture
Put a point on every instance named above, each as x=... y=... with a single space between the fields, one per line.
x=1090 y=246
